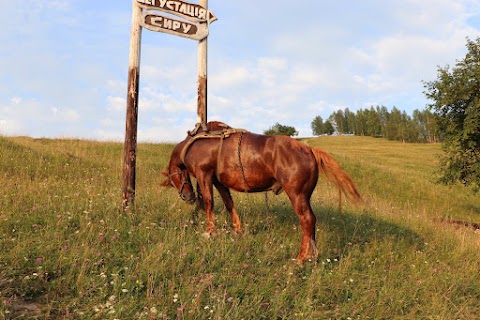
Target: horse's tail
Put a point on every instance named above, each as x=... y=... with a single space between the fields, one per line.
x=331 y=169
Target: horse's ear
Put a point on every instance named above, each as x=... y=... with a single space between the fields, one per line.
x=166 y=182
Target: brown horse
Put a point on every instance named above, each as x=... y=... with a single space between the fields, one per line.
x=227 y=158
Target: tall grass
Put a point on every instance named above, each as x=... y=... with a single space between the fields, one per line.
x=69 y=251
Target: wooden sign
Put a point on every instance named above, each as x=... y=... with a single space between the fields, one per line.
x=195 y=26
x=183 y=9
x=154 y=22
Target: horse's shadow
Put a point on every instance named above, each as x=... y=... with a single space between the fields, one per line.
x=473 y=208
x=337 y=232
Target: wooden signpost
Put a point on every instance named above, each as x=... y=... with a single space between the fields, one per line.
x=202 y=75
x=154 y=22
x=189 y=11
x=194 y=23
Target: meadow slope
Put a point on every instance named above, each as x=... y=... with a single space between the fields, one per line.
x=69 y=251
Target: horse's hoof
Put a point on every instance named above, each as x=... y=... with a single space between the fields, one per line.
x=298 y=262
x=313 y=250
x=237 y=233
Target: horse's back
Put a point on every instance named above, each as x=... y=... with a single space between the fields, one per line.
x=293 y=161
x=254 y=162
x=242 y=163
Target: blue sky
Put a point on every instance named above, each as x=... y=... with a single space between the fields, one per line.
x=64 y=64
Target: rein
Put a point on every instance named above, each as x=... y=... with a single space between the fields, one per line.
x=184 y=182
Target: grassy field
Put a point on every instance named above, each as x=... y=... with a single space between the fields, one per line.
x=68 y=251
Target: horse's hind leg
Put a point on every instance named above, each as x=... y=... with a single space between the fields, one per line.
x=228 y=201
x=301 y=206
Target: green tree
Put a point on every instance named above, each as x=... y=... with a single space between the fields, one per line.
x=360 y=123
x=281 y=130
x=383 y=114
x=318 y=127
x=428 y=130
x=420 y=119
x=455 y=96
x=349 y=121
x=433 y=128
x=374 y=125
x=329 y=128
x=340 y=121
x=411 y=130
x=393 y=125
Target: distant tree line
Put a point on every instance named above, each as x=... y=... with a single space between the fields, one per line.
x=281 y=130
x=378 y=121
x=452 y=117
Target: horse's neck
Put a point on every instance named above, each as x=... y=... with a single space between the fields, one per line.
x=175 y=159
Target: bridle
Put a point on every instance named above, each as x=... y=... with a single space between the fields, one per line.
x=184 y=182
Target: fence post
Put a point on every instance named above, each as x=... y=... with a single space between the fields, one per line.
x=202 y=75
x=130 y=147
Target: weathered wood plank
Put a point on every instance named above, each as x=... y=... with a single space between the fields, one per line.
x=155 y=22
x=130 y=147
x=202 y=75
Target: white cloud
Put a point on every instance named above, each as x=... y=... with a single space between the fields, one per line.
x=167 y=131
x=109 y=135
x=153 y=99
x=116 y=104
x=64 y=63
x=231 y=76
x=16 y=100
x=36 y=118
x=434 y=17
x=116 y=86
x=11 y=128
x=64 y=115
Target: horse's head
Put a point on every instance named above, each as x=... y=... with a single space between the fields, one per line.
x=179 y=178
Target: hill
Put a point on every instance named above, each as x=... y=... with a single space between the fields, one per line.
x=69 y=251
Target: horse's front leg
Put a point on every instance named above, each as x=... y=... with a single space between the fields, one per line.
x=200 y=204
x=206 y=187
x=228 y=201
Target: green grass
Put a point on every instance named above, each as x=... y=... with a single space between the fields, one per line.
x=69 y=251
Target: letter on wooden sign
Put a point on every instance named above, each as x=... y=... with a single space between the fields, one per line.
x=183 y=9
